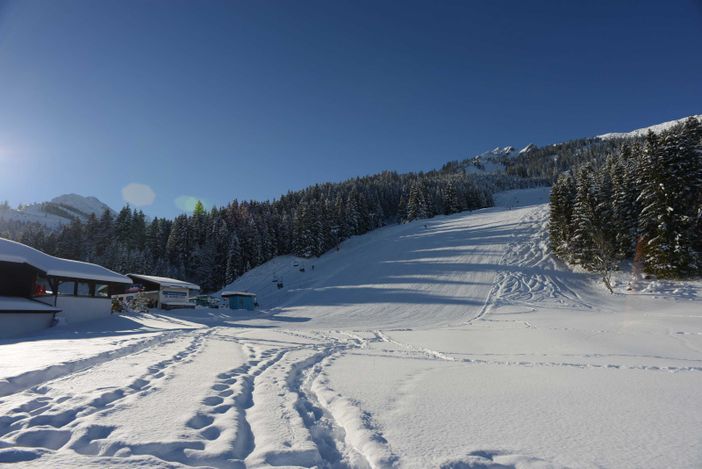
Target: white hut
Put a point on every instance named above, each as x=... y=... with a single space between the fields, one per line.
x=162 y=292
x=80 y=290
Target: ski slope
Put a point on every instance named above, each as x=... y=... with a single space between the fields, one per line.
x=455 y=342
x=421 y=274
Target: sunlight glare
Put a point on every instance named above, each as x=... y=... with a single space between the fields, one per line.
x=138 y=194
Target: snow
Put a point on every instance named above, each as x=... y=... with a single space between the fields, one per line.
x=165 y=281
x=12 y=251
x=656 y=129
x=10 y=303
x=454 y=342
x=528 y=148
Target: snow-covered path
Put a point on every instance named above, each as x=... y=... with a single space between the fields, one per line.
x=455 y=342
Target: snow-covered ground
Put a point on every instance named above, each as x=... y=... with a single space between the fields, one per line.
x=455 y=342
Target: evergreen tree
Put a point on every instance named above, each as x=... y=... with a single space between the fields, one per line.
x=584 y=203
x=451 y=204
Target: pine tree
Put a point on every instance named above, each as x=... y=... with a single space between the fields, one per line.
x=582 y=241
x=416 y=203
x=451 y=204
x=561 y=211
x=178 y=246
x=234 y=267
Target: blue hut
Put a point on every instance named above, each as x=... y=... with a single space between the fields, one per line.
x=240 y=299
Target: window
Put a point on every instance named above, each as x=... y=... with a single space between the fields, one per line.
x=83 y=289
x=42 y=287
x=67 y=288
x=102 y=290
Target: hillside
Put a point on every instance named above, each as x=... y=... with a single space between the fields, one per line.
x=392 y=276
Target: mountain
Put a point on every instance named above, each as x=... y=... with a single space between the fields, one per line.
x=492 y=161
x=657 y=128
x=58 y=211
x=82 y=206
x=550 y=160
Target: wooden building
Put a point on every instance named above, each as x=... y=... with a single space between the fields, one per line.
x=79 y=290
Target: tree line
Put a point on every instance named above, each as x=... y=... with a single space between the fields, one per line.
x=214 y=247
x=643 y=201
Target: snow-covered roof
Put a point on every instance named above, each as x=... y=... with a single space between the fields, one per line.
x=13 y=303
x=12 y=251
x=165 y=281
x=237 y=293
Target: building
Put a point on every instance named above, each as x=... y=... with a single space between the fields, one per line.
x=73 y=290
x=21 y=316
x=162 y=292
x=240 y=300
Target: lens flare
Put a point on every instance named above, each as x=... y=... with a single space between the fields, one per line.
x=137 y=194
x=187 y=203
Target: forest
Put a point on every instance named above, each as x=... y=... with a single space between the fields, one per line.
x=642 y=202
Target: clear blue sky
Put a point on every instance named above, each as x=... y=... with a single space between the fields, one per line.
x=224 y=100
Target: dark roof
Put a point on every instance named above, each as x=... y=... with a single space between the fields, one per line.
x=164 y=281
x=237 y=293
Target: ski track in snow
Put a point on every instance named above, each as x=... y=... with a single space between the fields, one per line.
x=36 y=377
x=337 y=432
x=530 y=276
x=420 y=353
x=328 y=430
x=48 y=419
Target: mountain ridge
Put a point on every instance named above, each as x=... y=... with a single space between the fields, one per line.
x=58 y=211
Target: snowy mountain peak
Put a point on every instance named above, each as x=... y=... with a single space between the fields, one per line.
x=528 y=148
x=58 y=211
x=492 y=161
x=87 y=205
x=498 y=151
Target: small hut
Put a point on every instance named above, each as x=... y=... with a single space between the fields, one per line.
x=240 y=300
x=162 y=292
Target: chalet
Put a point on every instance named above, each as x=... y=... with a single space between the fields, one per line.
x=162 y=292
x=240 y=299
x=72 y=290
